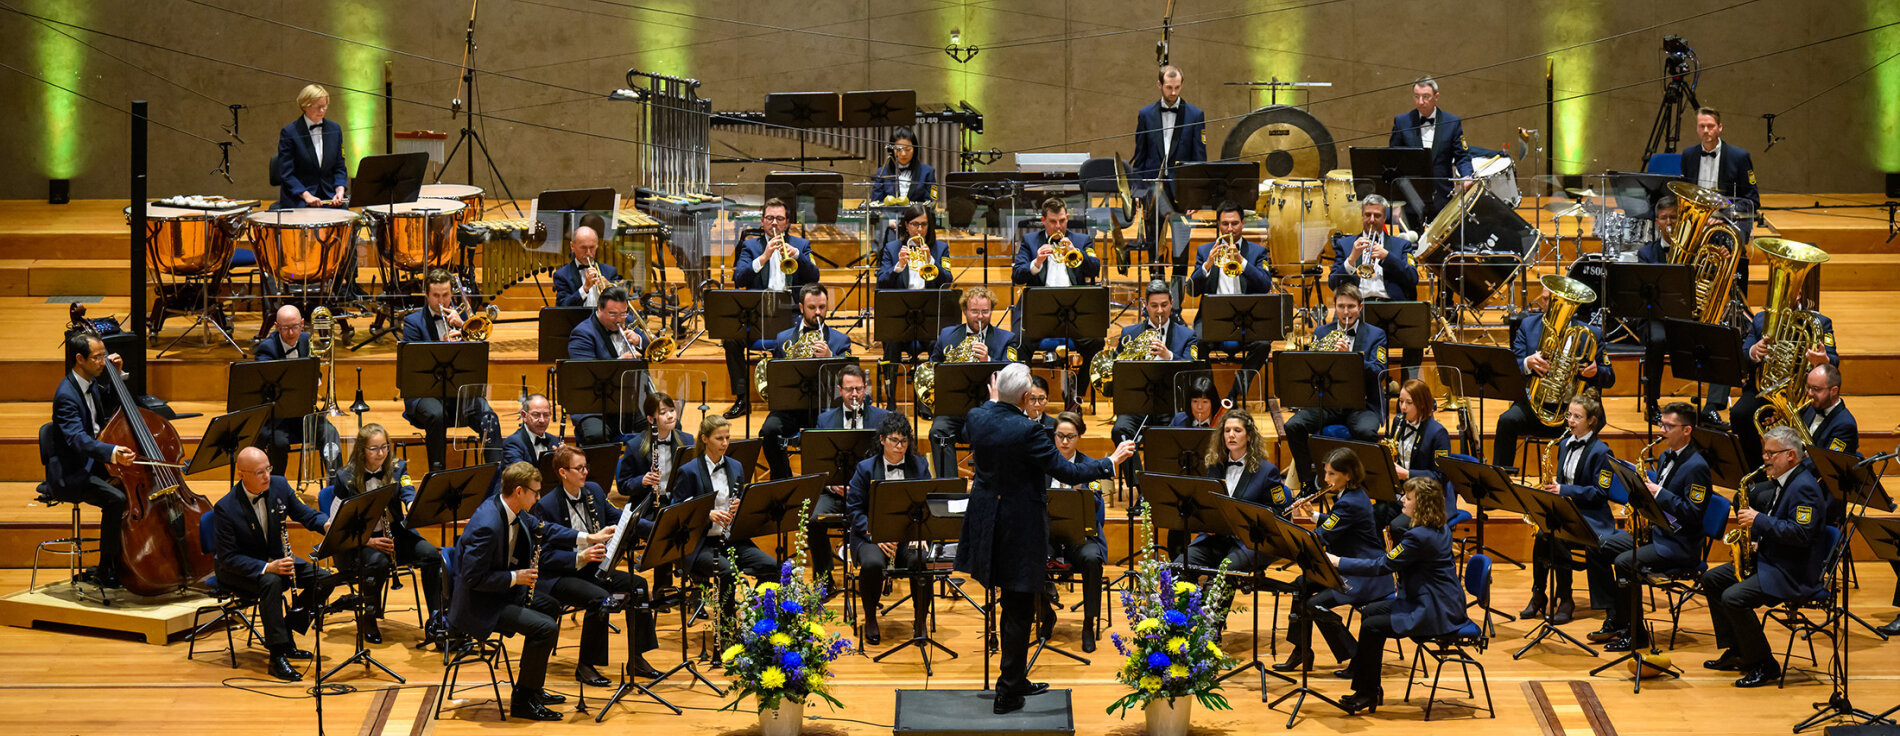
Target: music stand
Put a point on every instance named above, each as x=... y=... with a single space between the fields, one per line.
x=589 y=387
x=284 y=385
x=1850 y=480
x=1709 y=354
x=1261 y=531
x=1648 y=291
x=677 y=533
x=1319 y=379
x=1643 y=504
x=1377 y=461
x=1304 y=548
x=1407 y=325
x=1484 y=487
x=439 y=370
x=350 y=529
x=802 y=384
x=773 y=508
x=225 y=436
x=749 y=316
x=1244 y=318
x=901 y=512
x=1064 y=312
x=1174 y=450
x=825 y=192
x=746 y=451
x=1146 y=387
x=1559 y=517
x=904 y=316
x=1184 y=504
x=1883 y=537
x=835 y=453
x=877 y=108
x=449 y=496
x=1389 y=172
x=555 y=326
x=602 y=461
x=1723 y=451
x=1484 y=371
x=962 y=387
x=1201 y=185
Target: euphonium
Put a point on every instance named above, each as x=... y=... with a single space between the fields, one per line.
x=1566 y=344
x=1789 y=331
x=1741 y=544
x=1070 y=255
x=1102 y=368
x=918 y=252
x=926 y=377
x=1690 y=245
x=1226 y=253
x=805 y=346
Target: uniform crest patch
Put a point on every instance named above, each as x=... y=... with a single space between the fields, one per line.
x=1603 y=478
x=1751 y=172
x=1803 y=515
x=1442 y=453
x=1827 y=338
x=1838 y=445
x=1397 y=550
x=1279 y=496
x=1380 y=351
x=1698 y=492
x=1009 y=353
x=1331 y=521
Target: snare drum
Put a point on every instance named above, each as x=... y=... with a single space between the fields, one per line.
x=470 y=197
x=1499 y=174
x=189 y=242
x=301 y=246
x=1297 y=224
x=416 y=236
x=1342 y=202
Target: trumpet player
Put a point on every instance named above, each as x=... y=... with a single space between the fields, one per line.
x=1349 y=530
x=1213 y=261
x=1380 y=264
x=760 y=265
x=578 y=283
x=288 y=341
x=992 y=344
x=902 y=264
x=813 y=302
x=1368 y=341
x=1680 y=484
x=1042 y=259
x=1168 y=339
x=1521 y=419
x=437 y=321
x=1742 y=416
x=1785 y=518
x=1582 y=474
x=607 y=335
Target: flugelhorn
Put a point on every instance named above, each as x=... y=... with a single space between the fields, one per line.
x=918 y=253
x=1070 y=255
x=1226 y=254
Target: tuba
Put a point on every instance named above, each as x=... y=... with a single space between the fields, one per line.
x=1790 y=333
x=804 y=346
x=1102 y=368
x=1690 y=245
x=926 y=377
x=1567 y=344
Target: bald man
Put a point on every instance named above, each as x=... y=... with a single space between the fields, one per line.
x=576 y=285
x=289 y=341
x=251 y=557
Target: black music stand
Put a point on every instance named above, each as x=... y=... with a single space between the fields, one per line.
x=1641 y=503
x=1883 y=537
x=773 y=508
x=439 y=370
x=1484 y=371
x=801 y=111
x=1244 y=319
x=877 y=108
x=900 y=316
x=600 y=387
x=554 y=327
x=602 y=461
x=1201 y=185
x=1377 y=461
x=901 y=512
x=962 y=387
x=1648 y=291
x=1559 y=517
x=1071 y=522
x=1850 y=480
x=225 y=436
x=1484 y=487
x=677 y=533
x=1407 y=325
x=836 y=452
x=824 y=190
x=1304 y=548
x=1319 y=379
x=1063 y=312
x=1262 y=532
x=350 y=529
x=449 y=496
x=1723 y=451
x=748 y=316
x=1709 y=354
x=1174 y=450
x=802 y=384
x=746 y=451
x=1393 y=173
x=285 y=385
x=1145 y=388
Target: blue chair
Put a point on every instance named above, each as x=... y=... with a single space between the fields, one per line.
x=459 y=649
x=1456 y=646
x=229 y=604
x=1664 y=163
x=1681 y=586
x=1795 y=616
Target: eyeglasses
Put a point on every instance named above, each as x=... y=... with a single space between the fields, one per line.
x=1670 y=425
x=1765 y=452
x=581 y=467
x=376 y=448
x=1038 y=398
x=774 y=218
x=1067 y=436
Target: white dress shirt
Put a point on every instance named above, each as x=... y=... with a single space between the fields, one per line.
x=589 y=297
x=1709 y=167
x=1169 y=118
x=85 y=394
x=1575 y=447
x=1374 y=285
x=722 y=493
x=1233 y=477
x=1056 y=273
x=1428 y=129
x=316 y=138
x=577 y=516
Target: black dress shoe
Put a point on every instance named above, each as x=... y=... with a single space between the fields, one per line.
x=526 y=709
x=1766 y=674
x=1713 y=420
x=1343 y=673
x=1562 y=611
x=871 y=634
x=1088 y=644
x=1300 y=659
x=281 y=669
x=640 y=669
x=1624 y=644
x=545 y=697
x=1368 y=702
x=586 y=675
x=1892 y=628
x=740 y=408
x=1007 y=704
x=1034 y=688
x=372 y=634
x=295 y=653
x=1533 y=609
x=1728 y=662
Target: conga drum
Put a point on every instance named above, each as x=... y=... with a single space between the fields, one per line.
x=301 y=246
x=1342 y=202
x=416 y=236
x=1296 y=221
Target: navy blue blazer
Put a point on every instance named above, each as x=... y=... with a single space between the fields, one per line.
x=922 y=179
x=1790 y=549
x=1838 y=432
x=1449 y=152
x=1351 y=531
x=295 y=169
x=519 y=447
x=833 y=418
x=839 y=343
x=344 y=483
x=1190 y=140
x=1255 y=278
x=998 y=341
x=1005 y=542
x=417 y=327
x=1181 y=419
x=1760 y=322
x=1368 y=340
x=747 y=278
x=1182 y=340
x=484 y=568
x=1685 y=496
x=243 y=547
x=1429 y=600
x=1590 y=485
x=1524 y=345
x=696 y=480
x=1265 y=486
x=1434 y=442
x=638 y=460
x=1021 y=273
x=888 y=277
x=1652 y=252
x=1101 y=508
x=561 y=561
x=1734 y=176
x=272 y=347
x=80 y=455
x=857 y=495
x=1398 y=272
x=590 y=341
x=567 y=283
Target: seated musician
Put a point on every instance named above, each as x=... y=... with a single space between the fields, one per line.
x=370 y=468
x=580 y=582
x=1422 y=440
x=288 y=341
x=1785 y=519
x=1756 y=346
x=851 y=413
x=757 y=267
x=579 y=283
x=1168 y=339
x=1039 y=262
x=1583 y=475
x=1365 y=339
x=1429 y=601
x=1521 y=419
x=903 y=174
x=77 y=472
x=1202 y=403
x=721 y=476
x=1826 y=417
x=1680 y=484
x=1350 y=530
x=1394 y=274
x=989 y=343
x=532 y=440
x=1088 y=557
x=894 y=460
x=646 y=466
x=1655 y=345
x=438 y=321
x=607 y=335
x=252 y=555
x=1237 y=456
x=1036 y=402
x=497 y=570
x=823 y=342
x=897 y=271
x=1256 y=277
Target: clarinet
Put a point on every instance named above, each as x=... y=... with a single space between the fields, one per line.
x=283 y=525
x=526 y=594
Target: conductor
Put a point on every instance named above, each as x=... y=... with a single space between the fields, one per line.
x=1006 y=527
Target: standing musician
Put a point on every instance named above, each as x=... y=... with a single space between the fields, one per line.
x=1421 y=441
x=578 y=283
x=1521 y=419
x=1087 y=557
x=1168 y=133
x=309 y=169
x=1005 y=539
x=77 y=470
x=1176 y=341
x=903 y=175
x=290 y=332
x=1742 y=417
x=1256 y=277
x=894 y=460
x=1350 y=530
x=1785 y=519
x=1680 y=484
x=496 y=573
x=1367 y=340
x=1428 y=602
x=897 y=271
x=757 y=267
x=1237 y=456
x=1583 y=475
x=532 y=440
x=1725 y=168
x=370 y=468
x=1202 y=402
x=579 y=580
x=607 y=335
x=438 y=321
x=991 y=343
x=717 y=474
x=851 y=413
x=1039 y=261
x=813 y=302
x=647 y=464
x=1426 y=126
x=253 y=556
x=1380 y=264
x=1655 y=345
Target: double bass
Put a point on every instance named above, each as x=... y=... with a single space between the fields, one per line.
x=160 y=546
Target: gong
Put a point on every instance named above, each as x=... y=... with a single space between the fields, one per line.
x=1286 y=141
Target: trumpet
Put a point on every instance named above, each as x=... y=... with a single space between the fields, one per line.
x=917 y=252
x=786 y=263
x=1365 y=268
x=1067 y=251
x=1226 y=254
x=600 y=281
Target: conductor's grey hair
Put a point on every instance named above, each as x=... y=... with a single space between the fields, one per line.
x=1012 y=382
x=1788 y=438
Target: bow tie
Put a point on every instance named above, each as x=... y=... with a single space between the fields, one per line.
x=378 y=474
x=1708 y=153
x=1175 y=109
x=1352 y=332
x=851 y=415
x=1242 y=464
x=668 y=442
x=316 y=126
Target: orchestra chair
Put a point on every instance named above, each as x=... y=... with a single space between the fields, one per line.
x=229 y=603
x=1456 y=647
x=73 y=547
x=460 y=649
x=1664 y=163
x=1794 y=614
x=1468 y=543
x=1679 y=587
x=327 y=496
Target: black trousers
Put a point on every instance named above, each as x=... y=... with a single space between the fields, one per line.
x=1087 y=560
x=1516 y=422
x=1375 y=627
x=945 y=432
x=738 y=375
x=894 y=353
x=1319 y=612
x=1630 y=563
x=1732 y=605
x=99 y=492
x=779 y=427
x=1741 y=421
x=872 y=564
x=287 y=433
x=434 y=420
x=540 y=630
x=1018 y=613
x=818 y=538
x=1362 y=423
x=374 y=567
x=1549 y=556
x=600 y=429
x=585 y=592
x=710 y=562
x=313 y=588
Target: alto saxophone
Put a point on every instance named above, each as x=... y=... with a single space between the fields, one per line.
x=1548 y=472
x=1741 y=543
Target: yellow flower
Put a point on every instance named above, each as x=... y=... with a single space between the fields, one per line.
x=731 y=651
x=814 y=681
x=781 y=639
x=1177 y=644
x=1183 y=587
x=772 y=677
x=764 y=587
x=815 y=629
x=1178 y=671
x=1151 y=683
x=1147 y=625
x=1214 y=649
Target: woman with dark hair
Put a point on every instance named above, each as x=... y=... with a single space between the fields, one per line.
x=1428 y=601
x=370 y=467
x=1088 y=556
x=895 y=459
x=1204 y=405
x=1349 y=531
x=903 y=175
x=898 y=269
x=1421 y=441
x=637 y=475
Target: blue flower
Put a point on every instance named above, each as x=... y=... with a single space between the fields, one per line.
x=1158 y=660
x=785 y=572
x=764 y=626
x=1175 y=618
x=792 y=660
x=791 y=607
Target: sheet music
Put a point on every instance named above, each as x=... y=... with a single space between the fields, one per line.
x=958 y=505
x=627 y=515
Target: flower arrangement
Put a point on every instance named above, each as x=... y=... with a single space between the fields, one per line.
x=1175 y=649
x=782 y=650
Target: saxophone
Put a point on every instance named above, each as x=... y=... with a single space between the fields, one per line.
x=925 y=379
x=1741 y=544
x=1102 y=368
x=805 y=346
x=1790 y=333
x=1690 y=245
x=1548 y=472
x=1568 y=346
x=1639 y=524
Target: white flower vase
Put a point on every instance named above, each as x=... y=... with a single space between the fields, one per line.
x=1169 y=717
x=785 y=720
